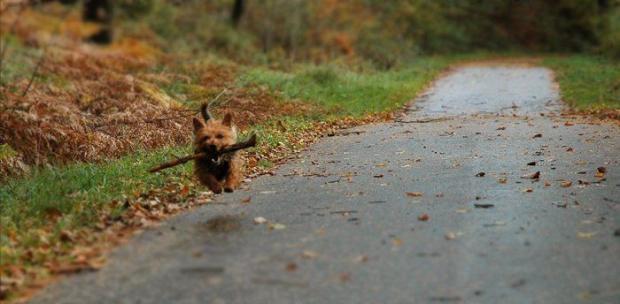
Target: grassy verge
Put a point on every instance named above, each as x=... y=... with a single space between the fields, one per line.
x=586 y=82
x=344 y=92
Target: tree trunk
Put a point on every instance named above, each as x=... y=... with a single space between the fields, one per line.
x=237 y=12
x=99 y=11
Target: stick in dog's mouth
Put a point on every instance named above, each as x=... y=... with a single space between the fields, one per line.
x=251 y=142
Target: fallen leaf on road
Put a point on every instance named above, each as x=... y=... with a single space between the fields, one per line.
x=566 y=183
x=569 y=124
x=570 y=149
x=582 y=182
x=535 y=175
x=560 y=205
x=414 y=194
x=345 y=277
x=309 y=254
x=484 y=206
x=527 y=190
x=547 y=184
x=246 y=200
x=501 y=128
x=450 y=236
x=480 y=174
x=538 y=135
x=378 y=176
x=276 y=226
x=423 y=217
x=440 y=194
x=495 y=224
x=260 y=220
x=397 y=242
x=291 y=267
x=600 y=172
x=502 y=180
x=462 y=210
x=586 y=235
x=531 y=163
x=361 y=259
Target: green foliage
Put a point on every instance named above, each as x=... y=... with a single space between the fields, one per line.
x=587 y=82
x=610 y=36
x=351 y=93
x=272 y=136
x=19 y=60
x=79 y=189
x=385 y=33
x=135 y=8
x=193 y=28
x=384 y=52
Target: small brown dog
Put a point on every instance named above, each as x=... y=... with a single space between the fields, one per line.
x=211 y=136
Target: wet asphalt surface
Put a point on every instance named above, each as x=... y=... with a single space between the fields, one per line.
x=341 y=227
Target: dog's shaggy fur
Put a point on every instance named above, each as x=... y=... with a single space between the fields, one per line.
x=210 y=136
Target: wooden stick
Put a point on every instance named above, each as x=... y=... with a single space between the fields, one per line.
x=177 y=161
x=251 y=142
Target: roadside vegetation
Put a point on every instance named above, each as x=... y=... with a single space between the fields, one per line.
x=588 y=83
x=80 y=123
x=346 y=92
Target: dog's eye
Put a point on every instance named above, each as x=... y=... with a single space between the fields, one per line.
x=219 y=136
x=205 y=138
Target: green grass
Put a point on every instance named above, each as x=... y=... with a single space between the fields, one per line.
x=587 y=82
x=351 y=93
x=78 y=193
x=80 y=189
x=19 y=60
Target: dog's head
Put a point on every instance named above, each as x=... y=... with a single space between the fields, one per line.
x=212 y=135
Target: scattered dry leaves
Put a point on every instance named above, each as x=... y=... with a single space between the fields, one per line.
x=423 y=217
x=600 y=172
x=414 y=194
x=566 y=183
x=535 y=175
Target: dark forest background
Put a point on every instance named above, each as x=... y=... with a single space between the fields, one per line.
x=384 y=32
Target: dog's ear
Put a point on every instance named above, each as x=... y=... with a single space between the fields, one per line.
x=204 y=110
x=227 y=121
x=198 y=124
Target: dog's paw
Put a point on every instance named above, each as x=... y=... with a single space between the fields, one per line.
x=229 y=190
x=216 y=190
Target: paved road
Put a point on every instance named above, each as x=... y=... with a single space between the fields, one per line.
x=344 y=230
